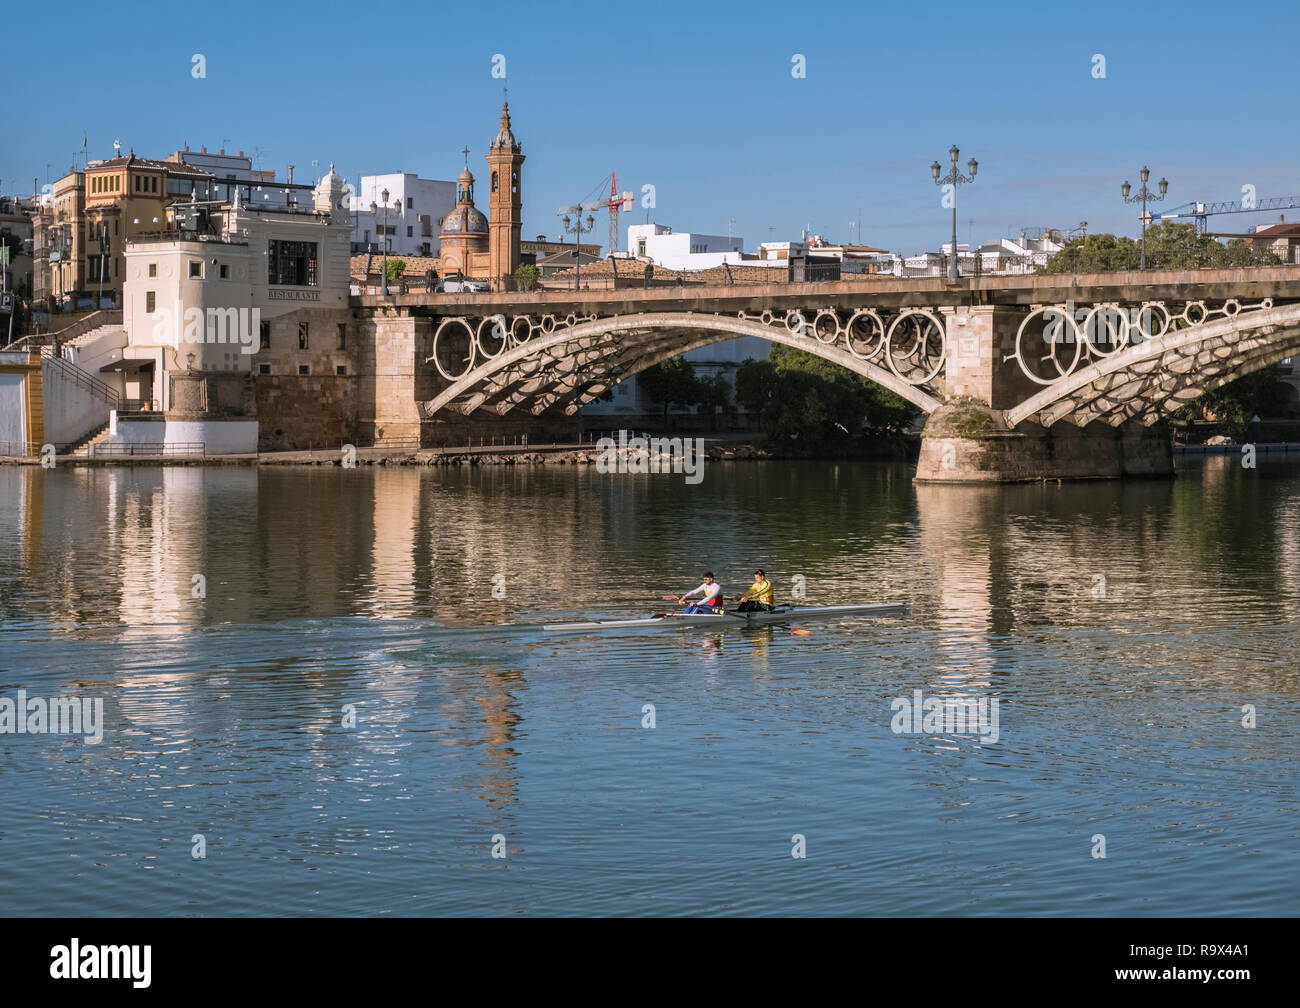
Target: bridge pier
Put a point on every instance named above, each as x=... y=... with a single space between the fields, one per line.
x=967 y=442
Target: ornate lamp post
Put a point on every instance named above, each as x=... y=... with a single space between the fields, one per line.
x=577 y=230
x=374 y=210
x=1144 y=196
x=954 y=178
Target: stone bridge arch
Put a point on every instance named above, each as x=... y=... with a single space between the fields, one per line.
x=528 y=363
x=1147 y=381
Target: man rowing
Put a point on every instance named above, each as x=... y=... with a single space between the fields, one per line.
x=759 y=596
x=711 y=596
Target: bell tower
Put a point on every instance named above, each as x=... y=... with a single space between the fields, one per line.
x=505 y=202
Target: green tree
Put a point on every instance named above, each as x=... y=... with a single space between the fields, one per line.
x=670 y=382
x=1236 y=404
x=1170 y=245
x=807 y=402
x=526 y=274
x=396 y=268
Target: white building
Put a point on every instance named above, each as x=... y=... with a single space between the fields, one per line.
x=682 y=250
x=200 y=299
x=416 y=208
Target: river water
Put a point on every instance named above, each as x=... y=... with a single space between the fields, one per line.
x=1139 y=639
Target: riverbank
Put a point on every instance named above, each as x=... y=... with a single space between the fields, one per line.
x=479 y=455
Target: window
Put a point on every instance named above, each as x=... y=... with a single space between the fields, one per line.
x=494 y=182
x=196 y=269
x=343 y=336
x=640 y=246
x=302 y=335
x=340 y=370
x=153 y=270
x=225 y=271
x=264 y=369
x=153 y=184
x=150 y=302
x=410 y=232
x=264 y=341
x=304 y=369
x=291 y=263
x=410 y=203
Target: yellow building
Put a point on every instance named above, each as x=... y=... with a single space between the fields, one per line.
x=97 y=211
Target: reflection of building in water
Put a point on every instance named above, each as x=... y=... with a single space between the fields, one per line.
x=396 y=503
x=161 y=548
x=958 y=533
x=500 y=783
x=536 y=533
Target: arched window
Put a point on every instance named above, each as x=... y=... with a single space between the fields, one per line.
x=494 y=181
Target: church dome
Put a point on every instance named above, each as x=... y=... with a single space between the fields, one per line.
x=331 y=179
x=465 y=219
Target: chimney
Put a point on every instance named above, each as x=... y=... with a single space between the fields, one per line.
x=221 y=150
x=290 y=174
x=239 y=153
x=203 y=150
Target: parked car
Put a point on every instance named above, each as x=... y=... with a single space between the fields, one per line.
x=457 y=283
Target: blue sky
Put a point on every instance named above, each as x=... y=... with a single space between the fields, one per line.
x=698 y=100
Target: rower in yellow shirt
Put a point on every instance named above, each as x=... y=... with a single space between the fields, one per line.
x=759 y=596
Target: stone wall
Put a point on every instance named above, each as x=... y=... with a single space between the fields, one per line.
x=300 y=413
x=966 y=442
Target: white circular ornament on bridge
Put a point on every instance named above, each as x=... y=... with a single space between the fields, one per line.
x=1076 y=338
x=521 y=329
x=469 y=337
x=1144 y=326
x=878 y=336
x=796 y=324
x=819 y=328
x=492 y=332
x=1116 y=323
x=940 y=357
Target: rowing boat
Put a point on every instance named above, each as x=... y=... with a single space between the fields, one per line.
x=733 y=618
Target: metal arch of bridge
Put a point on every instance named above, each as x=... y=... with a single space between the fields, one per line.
x=530 y=373
x=1148 y=380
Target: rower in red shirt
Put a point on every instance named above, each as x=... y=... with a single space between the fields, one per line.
x=711 y=600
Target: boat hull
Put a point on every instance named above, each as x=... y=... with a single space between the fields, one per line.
x=731 y=618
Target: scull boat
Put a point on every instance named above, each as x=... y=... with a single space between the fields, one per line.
x=733 y=618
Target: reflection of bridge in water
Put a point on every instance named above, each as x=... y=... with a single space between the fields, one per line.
x=1022 y=377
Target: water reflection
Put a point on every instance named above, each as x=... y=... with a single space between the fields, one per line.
x=1130 y=620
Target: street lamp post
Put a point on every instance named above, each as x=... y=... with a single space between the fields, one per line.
x=1144 y=196
x=577 y=230
x=954 y=178
x=374 y=210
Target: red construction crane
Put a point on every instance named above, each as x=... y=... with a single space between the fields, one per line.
x=615 y=203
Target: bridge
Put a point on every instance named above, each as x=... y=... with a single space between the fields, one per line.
x=1024 y=377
